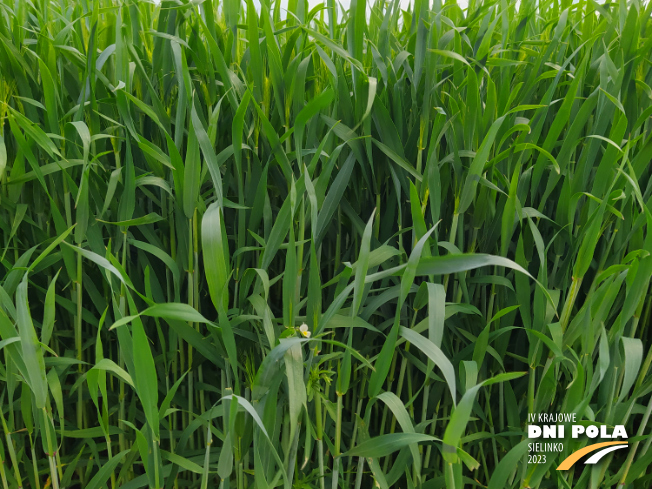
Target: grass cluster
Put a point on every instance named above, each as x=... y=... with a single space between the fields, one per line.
x=248 y=247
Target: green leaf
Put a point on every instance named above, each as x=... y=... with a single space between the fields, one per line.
x=505 y=467
x=216 y=255
x=460 y=416
x=139 y=221
x=32 y=353
x=103 y=475
x=146 y=378
x=110 y=366
x=383 y=445
x=433 y=352
x=175 y=310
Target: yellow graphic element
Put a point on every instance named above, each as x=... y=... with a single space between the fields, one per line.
x=575 y=456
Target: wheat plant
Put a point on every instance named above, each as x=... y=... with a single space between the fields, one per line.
x=258 y=245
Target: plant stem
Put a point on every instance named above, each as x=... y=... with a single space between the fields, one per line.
x=632 y=451
x=78 y=342
x=570 y=301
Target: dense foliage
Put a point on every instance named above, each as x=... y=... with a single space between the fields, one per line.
x=254 y=247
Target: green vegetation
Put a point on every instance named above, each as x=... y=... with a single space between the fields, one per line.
x=259 y=249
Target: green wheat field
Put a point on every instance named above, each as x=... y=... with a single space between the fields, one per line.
x=261 y=245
